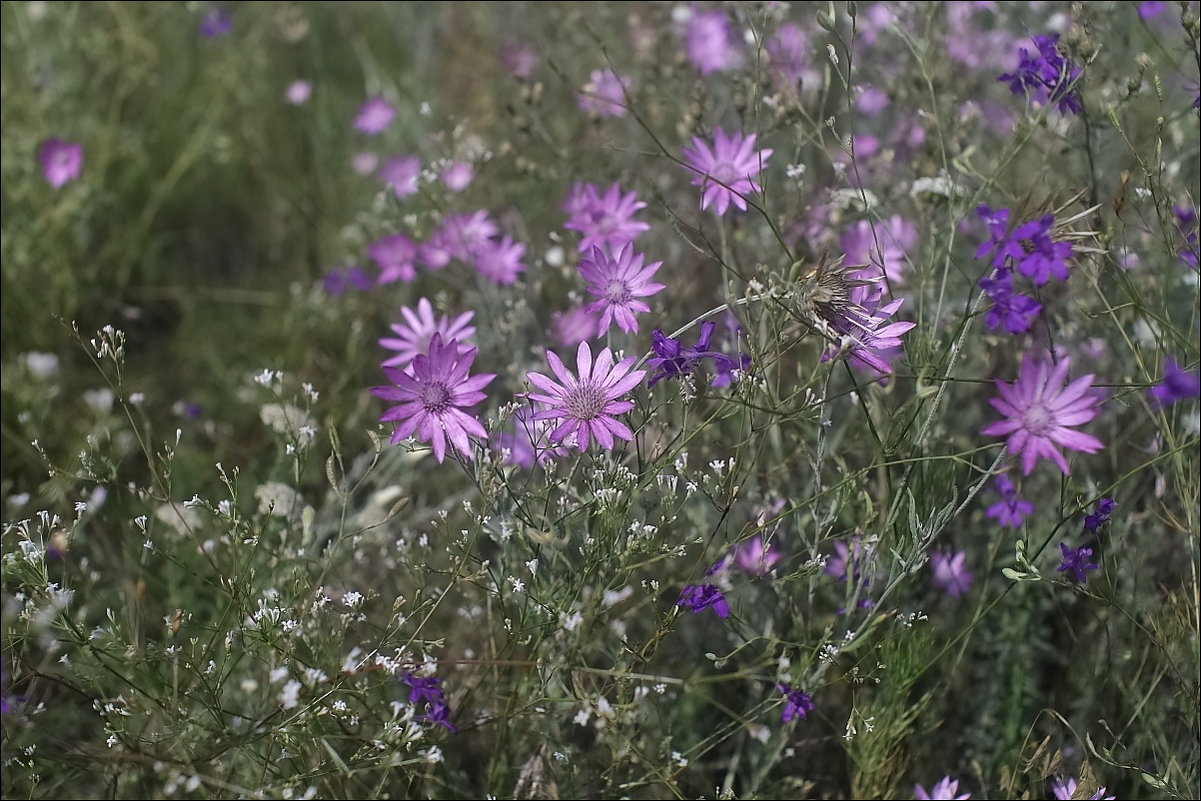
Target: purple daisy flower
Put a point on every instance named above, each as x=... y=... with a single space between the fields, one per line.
x=883 y=246
x=1065 y=790
x=500 y=260
x=797 y=703
x=1041 y=411
x=464 y=235
x=605 y=94
x=587 y=404
x=60 y=161
x=413 y=337
x=618 y=282
x=944 y=789
x=519 y=59
x=572 y=327
x=869 y=340
x=1010 y=510
x=726 y=169
x=1176 y=385
x=849 y=562
x=709 y=43
x=432 y=395
x=374 y=116
x=950 y=573
x=604 y=220
x=400 y=173
x=395 y=256
x=457 y=176
x=696 y=598
x=789 y=65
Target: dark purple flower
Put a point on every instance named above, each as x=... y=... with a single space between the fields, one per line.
x=215 y=21
x=1176 y=385
x=950 y=573
x=673 y=359
x=696 y=598
x=1043 y=257
x=60 y=161
x=428 y=691
x=1012 y=309
x=1045 y=76
x=1100 y=515
x=1077 y=561
x=797 y=703
x=1010 y=510
x=1149 y=9
x=338 y=280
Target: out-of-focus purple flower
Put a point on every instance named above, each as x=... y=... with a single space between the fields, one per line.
x=1065 y=790
x=298 y=92
x=463 y=235
x=788 y=59
x=1100 y=515
x=395 y=256
x=871 y=101
x=974 y=38
x=618 y=282
x=500 y=260
x=587 y=404
x=851 y=562
x=1149 y=9
x=214 y=22
x=529 y=441
x=400 y=173
x=519 y=59
x=374 y=116
x=428 y=691
x=430 y=398
x=457 y=176
x=1012 y=309
x=572 y=327
x=1010 y=510
x=884 y=246
x=60 y=161
x=604 y=220
x=696 y=598
x=10 y=703
x=673 y=359
x=1186 y=221
x=797 y=703
x=756 y=556
x=1045 y=76
x=869 y=340
x=726 y=170
x=1029 y=247
x=364 y=163
x=340 y=279
x=605 y=94
x=413 y=336
x=1176 y=385
x=1040 y=413
x=950 y=573
x=944 y=789
x=709 y=43
x=1077 y=561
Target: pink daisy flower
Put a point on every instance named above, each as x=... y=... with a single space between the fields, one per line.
x=433 y=396
x=572 y=327
x=414 y=335
x=618 y=281
x=364 y=163
x=725 y=170
x=605 y=94
x=710 y=44
x=1040 y=412
x=869 y=340
x=60 y=161
x=756 y=556
x=457 y=176
x=500 y=260
x=587 y=403
x=463 y=235
x=394 y=255
x=374 y=116
x=400 y=173
x=944 y=789
x=883 y=246
x=605 y=220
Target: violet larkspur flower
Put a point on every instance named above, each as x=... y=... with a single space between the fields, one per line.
x=1012 y=309
x=756 y=556
x=1029 y=247
x=944 y=789
x=696 y=598
x=374 y=116
x=499 y=260
x=618 y=281
x=395 y=256
x=1010 y=510
x=883 y=246
x=60 y=161
x=950 y=573
x=797 y=703
x=1176 y=385
x=709 y=43
x=1100 y=515
x=414 y=335
x=604 y=220
x=1040 y=412
x=587 y=403
x=673 y=359
x=432 y=397
x=1065 y=790
x=869 y=340
x=1045 y=76
x=338 y=280
x=215 y=21
x=605 y=94
x=400 y=173
x=1077 y=561
x=428 y=692
x=726 y=169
